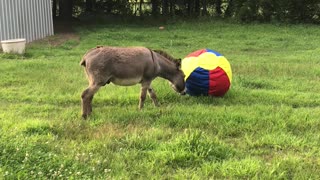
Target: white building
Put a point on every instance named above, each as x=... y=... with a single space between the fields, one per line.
x=29 y=19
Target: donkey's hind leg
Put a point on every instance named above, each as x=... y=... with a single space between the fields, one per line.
x=87 y=96
x=153 y=96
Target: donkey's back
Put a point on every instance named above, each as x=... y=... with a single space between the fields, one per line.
x=119 y=65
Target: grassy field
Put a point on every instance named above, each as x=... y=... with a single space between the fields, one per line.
x=266 y=126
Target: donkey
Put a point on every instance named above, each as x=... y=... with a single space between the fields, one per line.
x=126 y=66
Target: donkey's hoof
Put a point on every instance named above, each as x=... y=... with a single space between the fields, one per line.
x=84 y=116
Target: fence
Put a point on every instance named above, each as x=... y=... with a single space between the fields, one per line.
x=29 y=19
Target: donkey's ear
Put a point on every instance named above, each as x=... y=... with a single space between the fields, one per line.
x=178 y=63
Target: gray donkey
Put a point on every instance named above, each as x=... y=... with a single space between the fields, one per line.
x=126 y=66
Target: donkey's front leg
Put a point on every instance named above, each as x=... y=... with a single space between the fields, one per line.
x=153 y=96
x=143 y=93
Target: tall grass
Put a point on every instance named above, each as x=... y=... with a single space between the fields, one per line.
x=265 y=127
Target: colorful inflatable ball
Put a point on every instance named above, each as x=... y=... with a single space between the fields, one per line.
x=207 y=72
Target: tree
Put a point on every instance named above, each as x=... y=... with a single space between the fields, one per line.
x=204 y=8
x=165 y=7
x=54 y=8
x=197 y=8
x=230 y=10
x=140 y=7
x=189 y=7
x=218 y=7
x=66 y=9
x=89 y=5
x=243 y=10
x=155 y=8
x=172 y=7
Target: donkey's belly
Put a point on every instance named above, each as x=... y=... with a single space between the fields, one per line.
x=126 y=82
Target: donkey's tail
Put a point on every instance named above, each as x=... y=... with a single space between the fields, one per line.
x=83 y=62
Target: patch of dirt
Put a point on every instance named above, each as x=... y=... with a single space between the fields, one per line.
x=60 y=38
x=63 y=32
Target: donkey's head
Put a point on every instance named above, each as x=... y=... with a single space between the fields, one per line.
x=177 y=82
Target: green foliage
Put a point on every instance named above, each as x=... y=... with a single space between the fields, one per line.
x=115 y=7
x=265 y=127
x=289 y=11
x=284 y=11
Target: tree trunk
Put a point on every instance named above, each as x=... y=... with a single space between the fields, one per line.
x=90 y=5
x=204 y=8
x=189 y=7
x=54 y=8
x=155 y=8
x=197 y=8
x=218 y=7
x=65 y=9
x=172 y=7
x=165 y=7
x=140 y=8
x=229 y=10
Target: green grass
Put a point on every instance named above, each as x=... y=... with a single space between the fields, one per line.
x=265 y=127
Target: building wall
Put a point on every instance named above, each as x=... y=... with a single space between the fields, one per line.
x=30 y=19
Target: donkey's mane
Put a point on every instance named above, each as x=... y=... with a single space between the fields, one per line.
x=166 y=55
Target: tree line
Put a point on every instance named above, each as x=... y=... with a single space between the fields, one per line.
x=290 y=11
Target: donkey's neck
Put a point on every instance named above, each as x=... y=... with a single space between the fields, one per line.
x=167 y=69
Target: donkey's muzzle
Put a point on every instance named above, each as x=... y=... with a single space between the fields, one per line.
x=183 y=92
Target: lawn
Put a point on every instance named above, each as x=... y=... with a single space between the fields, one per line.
x=265 y=127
